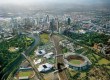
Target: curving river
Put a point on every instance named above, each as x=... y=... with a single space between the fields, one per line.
x=21 y=58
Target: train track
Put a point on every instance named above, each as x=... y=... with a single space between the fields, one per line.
x=59 y=59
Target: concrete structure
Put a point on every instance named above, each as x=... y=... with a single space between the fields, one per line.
x=40 y=52
x=45 y=67
x=37 y=61
x=49 y=55
x=24 y=78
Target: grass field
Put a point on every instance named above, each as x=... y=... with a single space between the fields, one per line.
x=72 y=72
x=12 y=49
x=25 y=73
x=83 y=74
x=44 y=37
x=108 y=67
x=29 y=39
x=103 y=61
x=76 y=62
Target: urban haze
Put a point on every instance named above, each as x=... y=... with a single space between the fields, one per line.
x=54 y=39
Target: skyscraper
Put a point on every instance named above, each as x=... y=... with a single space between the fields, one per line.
x=52 y=25
x=69 y=21
x=47 y=19
x=56 y=24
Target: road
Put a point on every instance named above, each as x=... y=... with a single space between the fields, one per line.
x=59 y=59
x=38 y=75
x=36 y=38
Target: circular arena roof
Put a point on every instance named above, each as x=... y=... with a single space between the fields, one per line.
x=76 y=60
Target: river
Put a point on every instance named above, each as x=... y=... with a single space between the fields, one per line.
x=26 y=52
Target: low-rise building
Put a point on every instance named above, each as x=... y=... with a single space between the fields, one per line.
x=45 y=67
x=40 y=52
x=49 y=55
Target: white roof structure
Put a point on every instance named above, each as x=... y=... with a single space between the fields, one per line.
x=37 y=62
x=82 y=31
x=24 y=77
x=40 y=53
x=45 y=67
x=25 y=68
x=17 y=48
x=49 y=55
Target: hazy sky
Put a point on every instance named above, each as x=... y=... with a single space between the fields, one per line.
x=53 y=1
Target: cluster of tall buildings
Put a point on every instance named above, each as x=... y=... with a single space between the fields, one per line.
x=17 y=25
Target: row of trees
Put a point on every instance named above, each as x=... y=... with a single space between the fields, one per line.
x=88 y=38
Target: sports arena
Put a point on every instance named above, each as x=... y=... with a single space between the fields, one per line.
x=77 y=61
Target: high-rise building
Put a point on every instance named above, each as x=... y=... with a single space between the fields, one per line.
x=52 y=25
x=47 y=22
x=14 y=26
x=56 y=24
x=69 y=21
x=47 y=19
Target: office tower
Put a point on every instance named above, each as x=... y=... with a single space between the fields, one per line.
x=56 y=24
x=47 y=19
x=69 y=21
x=52 y=25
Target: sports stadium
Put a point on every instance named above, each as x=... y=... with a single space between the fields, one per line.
x=77 y=61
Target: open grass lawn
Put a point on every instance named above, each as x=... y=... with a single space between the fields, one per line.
x=25 y=73
x=109 y=72
x=108 y=67
x=103 y=61
x=76 y=62
x=12 y=49
x=29 y=39
x=44 y=37
x=72 y=72
x=92 y=78
x=83 y=74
